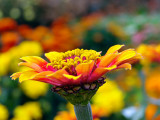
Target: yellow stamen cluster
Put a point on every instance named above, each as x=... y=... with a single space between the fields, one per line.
x=72 y=58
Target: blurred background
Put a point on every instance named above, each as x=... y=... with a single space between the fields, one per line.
x=34 y=27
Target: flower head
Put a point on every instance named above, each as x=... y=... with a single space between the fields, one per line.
x=108 y=94
x=73 y=70
x=152 y=54
x=152 y=83
x=150 y=112
x=28 y=111
x=38 y=89
x=7 y=24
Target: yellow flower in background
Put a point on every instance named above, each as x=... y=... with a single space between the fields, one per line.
x=117 y=30
x=5 y=59
x=26 y=48
x=38 y=88
x=109 y=97
x=150 y=53
x=28 y=111
x=152 y=83
x=3 y=112
x=10 y=59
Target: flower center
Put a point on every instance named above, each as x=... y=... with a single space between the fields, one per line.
x=70 y=59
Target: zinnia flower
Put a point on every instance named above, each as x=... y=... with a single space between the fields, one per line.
x=76 y=74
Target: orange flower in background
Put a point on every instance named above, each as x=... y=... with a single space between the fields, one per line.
x=38 y=33
x=64 y=38
x=59 y=37
x=151 y=112
x=25 y=30
x=7 y=24
x=49 y=43
x=152 y=83
x=8 y=40
x=76 y=67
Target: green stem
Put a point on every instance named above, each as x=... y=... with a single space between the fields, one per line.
x=83 y=112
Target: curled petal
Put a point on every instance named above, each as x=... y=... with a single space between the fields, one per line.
x=58 y=76
x=43 y=74
x=127 y=54
x=100 y=71
x=107 y=59
x=124 y=57
x=31 y=65
x=49 y=81
x=126 y=66
x=37 y=60
x=43 y=77
x=85 y=69
x=131 y=60
x=114 y=49
x=34 y=59
x=74 y=79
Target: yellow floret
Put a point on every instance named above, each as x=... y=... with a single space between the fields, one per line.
x=71 y=58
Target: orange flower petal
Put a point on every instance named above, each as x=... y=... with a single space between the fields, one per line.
x=85 y=69
x=127 y=54
x=59 y=76
x=16 y=75
x=43 y=74
x=74 y=79
x=126 y=66
x=132 y=60
x=27 y=75
x=100 y=71
x=34 y=59
x=31 y=65
x=107 y=59
x=114 y=48
x=43 y=77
